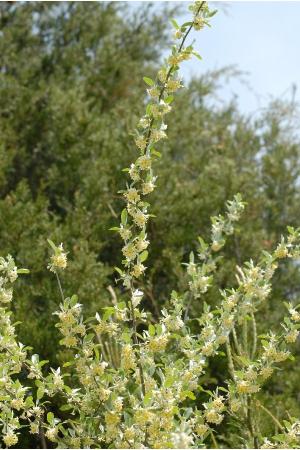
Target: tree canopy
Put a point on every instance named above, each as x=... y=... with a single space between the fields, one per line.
x=70 y=82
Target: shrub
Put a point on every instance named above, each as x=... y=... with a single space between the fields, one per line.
x=135 y=384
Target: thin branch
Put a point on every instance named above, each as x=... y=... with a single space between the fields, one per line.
x=236 y=342
x=230 y=360
x=245 y=338
x=113 y=294
x=170 y=71
x=138 y=347
x=214 y=439
x=254 y=336
x=60 y=288
x=187 y=308
x=249 y=422
x=278 y=424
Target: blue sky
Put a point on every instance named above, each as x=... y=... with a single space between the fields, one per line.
x=261 y=37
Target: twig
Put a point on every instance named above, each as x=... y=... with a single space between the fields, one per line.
x=43 y=440
x=278 y=424
x=214 y=439
x=237 y=345
x=113 y=294
x=249 y=421
x=112 y=211
x=170 y=71
x=245 y=338
x=254 y=336
x=138 y=347
x=60 y=288
x=230 y=360
x=187 y=308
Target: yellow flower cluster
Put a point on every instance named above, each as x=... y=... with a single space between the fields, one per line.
x=68 y=321
x=221 y=339
x=213 y=416
x=17 y=403
x=177 y=34
x=138 y=270
x=235 y=405
x=34 y=428
x=145 y=122
x=10 y=439
x=128 y=359
x=118 y=405
x=67 y=318
x=199 y=284
x=246 y=387
x=199 y=23
x=266 y=372
x=281 y=251
x=80 y=329
x=132 y=195
x=201 y=429
x=129 y=433
x=125 y=233
x=218 y=403
x=75 y=442
x=51 y=434
x=295 y=316
x=243 y=387
x=292 y=336
x=185 y=56
x=112 y=430
x=174 y=60
x=99 y=369
x=147 y=188
x=158 y=344
x=144 y=162
x=6 y=295
x=106 y=327
x=207 y=349
x=216 y=245
x=58 y=381
x=154 y=92
x=162 y=76
x=59 y=260
x=251 y=374
x=272 y=354
x=111 y=419
x=129 y=251
x=134 y=173
x=173 y=323
x=150 y=383
x=228 y=321
x=173 y=85
x=139 y=218
x=157 y=135
x=141 y=142
x=70 y=341
x=141 y=244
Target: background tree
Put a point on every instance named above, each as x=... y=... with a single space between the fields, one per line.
x=70 y=80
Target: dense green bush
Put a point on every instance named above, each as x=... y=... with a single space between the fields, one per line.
x=71 y=73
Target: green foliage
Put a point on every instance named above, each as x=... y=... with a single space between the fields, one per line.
x=71 y=73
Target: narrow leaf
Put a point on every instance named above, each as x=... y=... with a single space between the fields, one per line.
x=169 y=382
x=124 y=216
x=148 y=81
x=143 y=256
x=23 y=271
x=175 y=24
x=147 y=398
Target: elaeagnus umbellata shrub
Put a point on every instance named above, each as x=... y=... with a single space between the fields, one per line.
x=135 y=383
